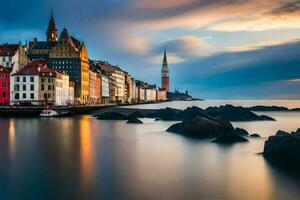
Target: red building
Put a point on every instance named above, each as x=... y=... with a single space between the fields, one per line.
x=165 y=85
x=4 y=85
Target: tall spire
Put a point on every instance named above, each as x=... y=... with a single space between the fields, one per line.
x=165 y=61
x=51 y=31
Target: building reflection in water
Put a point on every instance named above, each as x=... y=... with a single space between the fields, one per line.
x=11 y=138
x=86 y=154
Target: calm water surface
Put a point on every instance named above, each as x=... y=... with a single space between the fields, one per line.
x=84 y=158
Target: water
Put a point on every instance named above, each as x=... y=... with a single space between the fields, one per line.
x=84 y=158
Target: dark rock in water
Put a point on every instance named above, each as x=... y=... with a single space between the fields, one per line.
x=167 y=114
x=240 y=131
x=157 y=119
x=255 y=135
x=282 y=133
x=192 y=112
x=265 y=118
x=134 y=121
x=283 y=150
x=268 y=108
x=232 y=113
x=230 y=139
x=296 y=133
x=136 y=114
x=112 y=116
x=202 y=127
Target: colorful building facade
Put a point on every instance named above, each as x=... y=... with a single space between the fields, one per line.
x=5 y=85
x=165 y=84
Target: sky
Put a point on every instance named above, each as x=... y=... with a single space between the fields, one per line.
x=217 y=49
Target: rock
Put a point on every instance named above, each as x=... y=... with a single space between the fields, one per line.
x=202 y=127
x=283 y=150
x=157 y=119
x=167 y=114
x=282 y=133
x=134 y=121
x=268 y=108
x=112 y=116
x=136 y=114
x=240 y=131
x=255 y=135
x=230 y=139
x=232 y=113
x=192 y=112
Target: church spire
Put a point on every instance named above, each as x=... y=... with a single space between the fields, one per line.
x=51 y=31
x=165 y=85
x=165 y=61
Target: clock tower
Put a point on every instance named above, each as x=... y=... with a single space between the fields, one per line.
x=51 y=33
x=165 y=74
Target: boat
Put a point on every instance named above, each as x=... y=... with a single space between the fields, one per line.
x=49 y=113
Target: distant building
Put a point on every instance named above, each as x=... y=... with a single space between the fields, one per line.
x=5 y=85
x=71 y=93
x=62 y=89
x=105 y=88
x=93 y=96
x=128 y=88
x=165 y=85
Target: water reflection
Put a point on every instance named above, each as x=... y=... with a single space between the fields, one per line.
x=11 y=133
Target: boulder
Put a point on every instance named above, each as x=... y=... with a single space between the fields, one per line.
x=230 y=139
x=233 y=113
x=255 y=135
x=268 y=108
x=283 y=150
x=136 y=114
x=192 y=112
x=167 y=114
x=202 y=127
x=134 y=121
x=240 y=131
x=112 y=116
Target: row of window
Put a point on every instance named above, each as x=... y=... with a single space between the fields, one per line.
x=50 y=87
x=24 y=87
x=24 y=79
x=3 y=84
x=6 y=59
x=66 y=62
x=50 y=80
x=4 y=76
x=24 y=96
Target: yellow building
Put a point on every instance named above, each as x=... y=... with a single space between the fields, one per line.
x=70 y=55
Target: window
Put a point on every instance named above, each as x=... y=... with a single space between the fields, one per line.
x=45 y=96
x=17 y=96
x=17 y=79
x=4 y=94
x=24 y=87
x=24 y=79
x=3 y=59
x=42 y=87
x=31 y=79
x=32 y=87
x=10 y=59
x=31 y=95
x=49 y=87
x=3 y=84
x=49 y=95
x=16 y=88
x=24 y=95
x=42 y=80
x=49 y=80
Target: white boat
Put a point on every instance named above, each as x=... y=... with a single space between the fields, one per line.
x=49 y=113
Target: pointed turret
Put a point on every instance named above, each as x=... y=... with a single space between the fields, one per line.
x=165 y=61
x=51 y=31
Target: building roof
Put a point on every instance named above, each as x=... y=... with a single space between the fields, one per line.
x=42 y=45
x=5 y=69
x=51 y=25
x=73 y=41
x=8 y=49
x=37 y=67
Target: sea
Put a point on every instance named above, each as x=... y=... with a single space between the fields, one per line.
x=84 y=158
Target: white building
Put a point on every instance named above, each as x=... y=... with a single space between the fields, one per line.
x=105 y=88
x=62 y=89
x=13 y=56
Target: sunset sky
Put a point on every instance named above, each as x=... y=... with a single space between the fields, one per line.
x=224 y=49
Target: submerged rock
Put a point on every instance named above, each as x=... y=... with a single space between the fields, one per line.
x=136 y=114
x=134 y=121
x=255 y=135
x=112 y=116
x=167 y=114
x=202 y=127
x=240 y=131
x=233 y=113
x=268 y=108
x=230 y=139
x=283 y=149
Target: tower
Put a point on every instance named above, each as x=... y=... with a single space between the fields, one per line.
x=51 y=33
x=165 y=73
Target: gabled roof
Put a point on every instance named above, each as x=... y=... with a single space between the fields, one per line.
x=73 y=41
x=5 y=69
x=8 y=49
x=37 y=67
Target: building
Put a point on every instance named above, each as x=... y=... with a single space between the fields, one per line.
x=165 y=74
x=93 y=79
x=140 y=91
x=70 y=55
x=105 y=88
x=128 y=88
x=41 y=49
x=71 y=93
x=133 y=85
x=62 y=97
x=98 y=88
x=34 y=84
x=5 y=85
